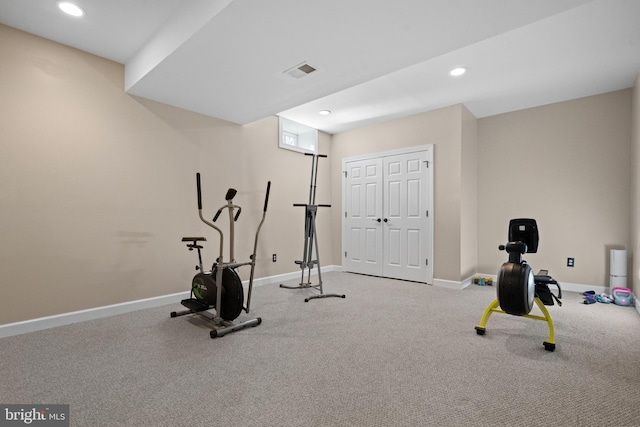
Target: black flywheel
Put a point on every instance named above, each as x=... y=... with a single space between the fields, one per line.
x=516 y=288
x=205 y=289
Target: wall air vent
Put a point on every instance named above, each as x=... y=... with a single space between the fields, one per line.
x=299 y=71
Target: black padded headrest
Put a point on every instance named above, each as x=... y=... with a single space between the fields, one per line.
x=524 y=230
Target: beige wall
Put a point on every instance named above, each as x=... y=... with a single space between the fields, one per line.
x=290 y=174
x=469 y=196
x=98 y=187
x=568 y=166
x=635 y=192
x=444 y=129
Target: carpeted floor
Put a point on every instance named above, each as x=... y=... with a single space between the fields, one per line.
x=391 y=353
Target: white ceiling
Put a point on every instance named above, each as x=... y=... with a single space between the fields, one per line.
x=375 y=59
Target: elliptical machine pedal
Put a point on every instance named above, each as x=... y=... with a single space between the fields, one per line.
x=194 y=305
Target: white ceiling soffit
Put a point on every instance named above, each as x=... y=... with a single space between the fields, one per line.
x=232 y=67
x=585 y=51
x=177 y=30
x=372 y=60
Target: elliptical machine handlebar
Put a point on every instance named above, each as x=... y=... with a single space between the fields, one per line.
x=199 y=191
x=235 y=218
x=220 y=258
x=255 y=249
x=266 y=197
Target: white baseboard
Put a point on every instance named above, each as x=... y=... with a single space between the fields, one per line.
x=577 y=287
x=452 y=284
x=89 y=314
x=125 y=307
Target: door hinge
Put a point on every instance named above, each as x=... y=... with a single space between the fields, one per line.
x=427 y=213
x=345 y=174
x=427 y=163
x=427 y=261
x=345 y=214
x=345 y=254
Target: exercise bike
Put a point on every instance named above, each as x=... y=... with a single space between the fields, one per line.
x=228 y=299
x=517 y=287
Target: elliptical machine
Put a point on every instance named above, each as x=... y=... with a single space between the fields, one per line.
x=227 y=299
x=517 y=287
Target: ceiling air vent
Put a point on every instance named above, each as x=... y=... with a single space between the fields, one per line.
x=300 y=70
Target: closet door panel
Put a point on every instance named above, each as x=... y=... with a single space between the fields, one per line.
x=363 y=203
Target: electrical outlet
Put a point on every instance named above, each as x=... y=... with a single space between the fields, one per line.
x=570 y=262
x=274 y=257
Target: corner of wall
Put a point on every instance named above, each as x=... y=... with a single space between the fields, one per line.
x=468 y=193
x=635 y=186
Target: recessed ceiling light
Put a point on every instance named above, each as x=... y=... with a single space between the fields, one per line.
x=71 y=8
x=458 y=71
x=324 y=112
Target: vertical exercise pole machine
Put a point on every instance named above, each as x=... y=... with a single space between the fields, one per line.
x=221 y=288
x=310 y=239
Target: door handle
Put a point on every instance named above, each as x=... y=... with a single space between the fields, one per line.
x=377 y=219
x=385 y=220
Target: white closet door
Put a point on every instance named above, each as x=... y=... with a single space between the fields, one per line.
x=405 y=217
x=363 y=217
x=388 y=217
